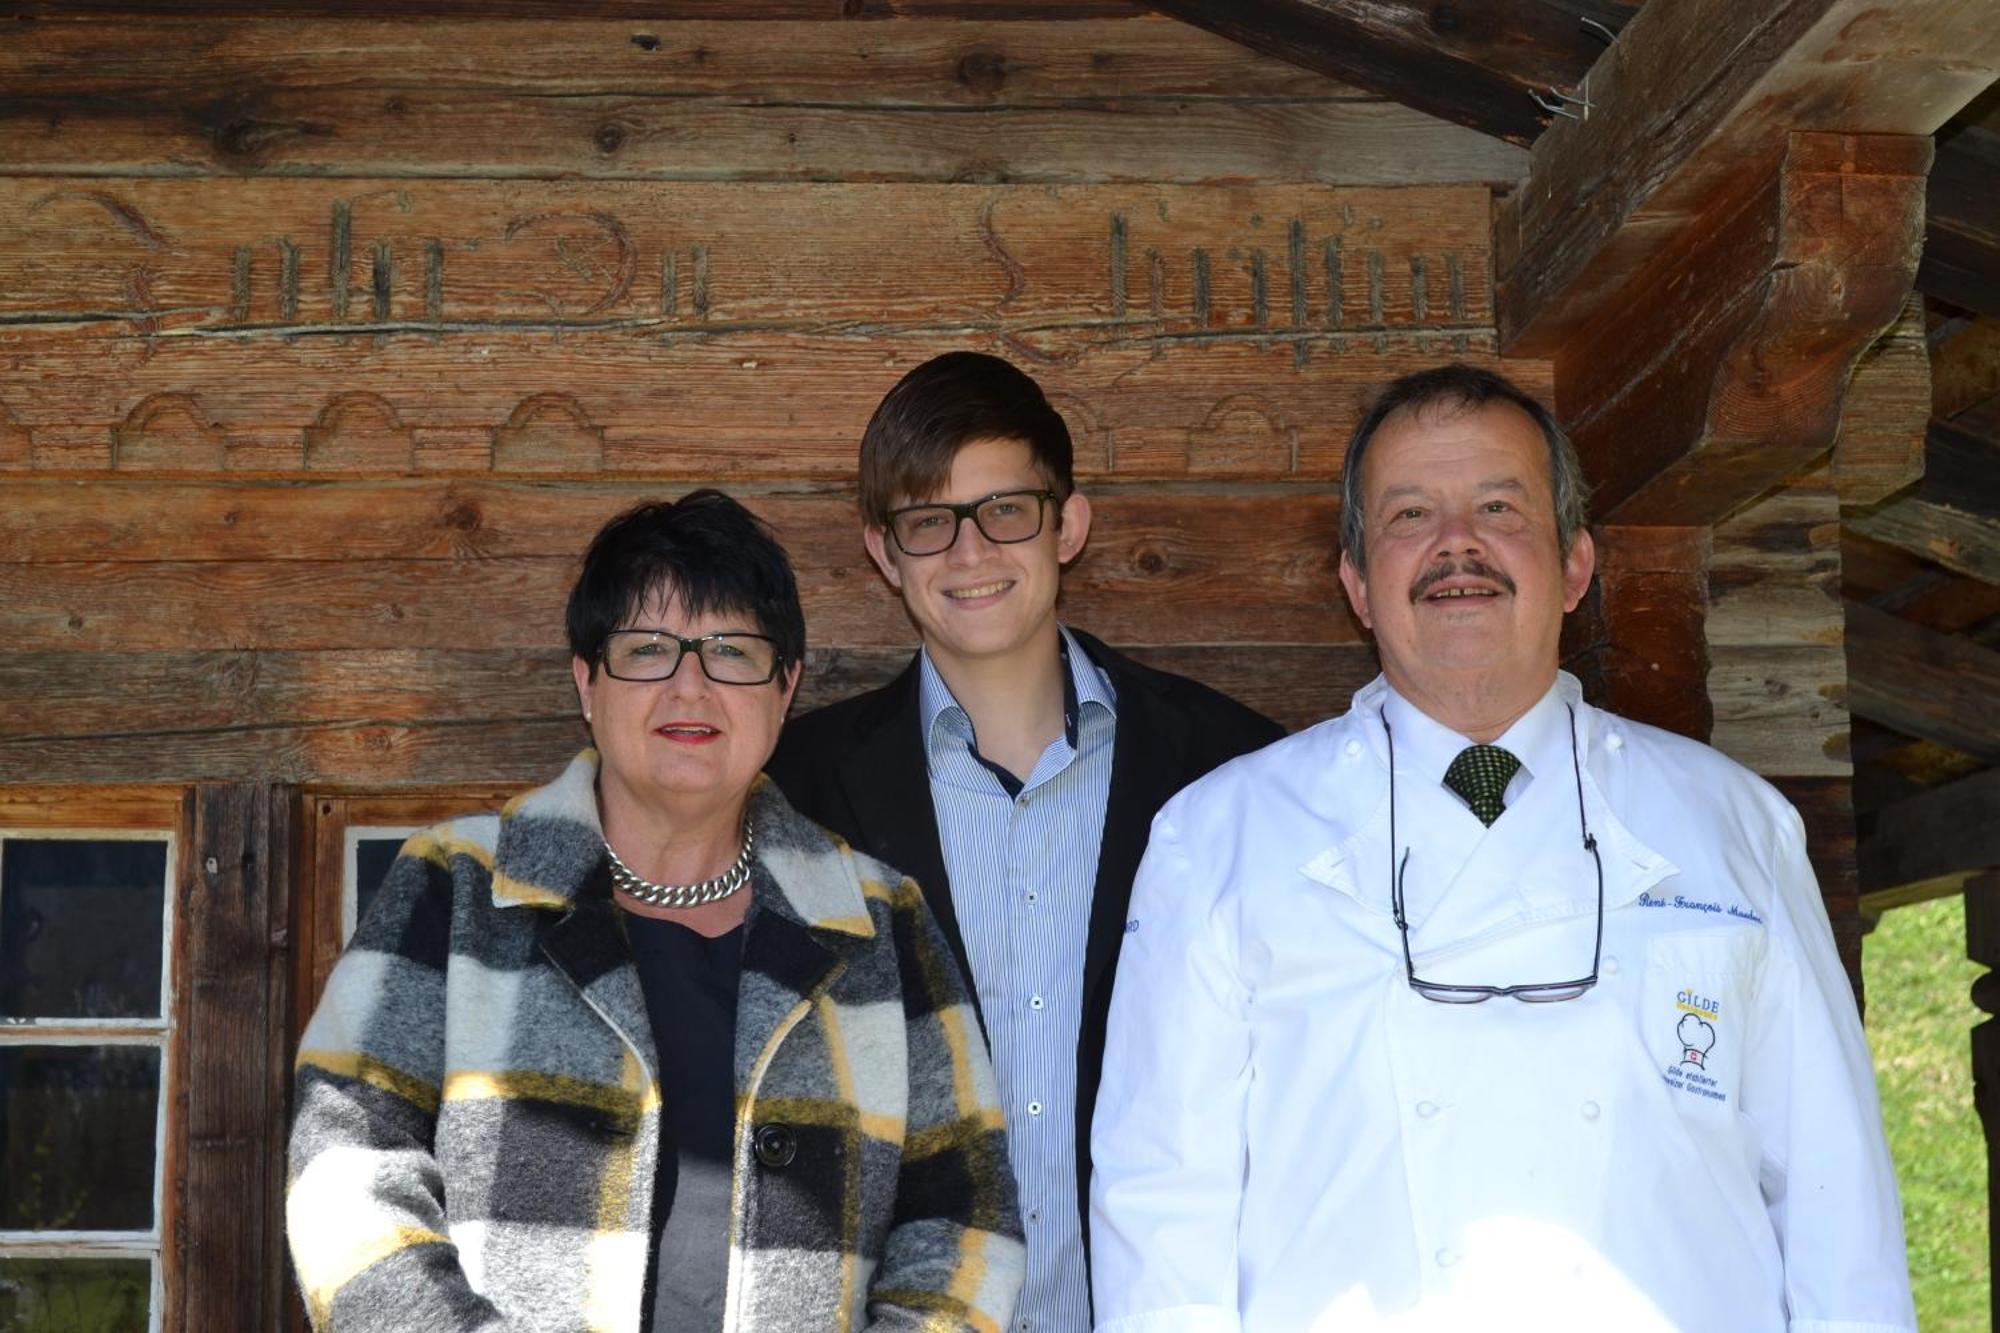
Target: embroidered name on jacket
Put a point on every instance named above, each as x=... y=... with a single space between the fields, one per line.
x=1684 y=903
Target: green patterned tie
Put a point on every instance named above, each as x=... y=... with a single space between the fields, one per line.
x=1480 y=775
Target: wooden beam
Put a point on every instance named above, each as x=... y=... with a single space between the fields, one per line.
x=1937 y=687
x=1884 y=413
x=1689 y=114
x=1474 y=64
x=722 y=101
x=1728 y=380
x=1965 y=364
x=1962 y=238
x=1934 y=842
x=1953 y=516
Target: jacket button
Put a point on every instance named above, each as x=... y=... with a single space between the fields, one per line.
x=776 y=1145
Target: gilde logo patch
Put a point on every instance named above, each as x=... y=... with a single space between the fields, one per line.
x=1697 y=1020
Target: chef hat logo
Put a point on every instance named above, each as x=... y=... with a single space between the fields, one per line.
x=1697 y=1036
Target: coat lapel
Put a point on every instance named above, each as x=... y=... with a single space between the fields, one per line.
x=1147 y=758
x=588 y=946
x=887 y=776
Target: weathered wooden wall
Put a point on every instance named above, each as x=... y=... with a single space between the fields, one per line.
x=324 y=346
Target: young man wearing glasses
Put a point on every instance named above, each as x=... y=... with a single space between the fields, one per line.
x=1013 y=768
x=1478 y=1007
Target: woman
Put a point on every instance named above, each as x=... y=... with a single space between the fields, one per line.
x=648 y=1050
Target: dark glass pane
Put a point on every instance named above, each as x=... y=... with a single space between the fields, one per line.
x=75 y=1295
x=372 y=859
x=77 y=1137
x=80 y=927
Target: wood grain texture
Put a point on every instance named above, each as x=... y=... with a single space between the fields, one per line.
x=1474 y=65
x=730 y=408
x=669 y=11
x=165 y=63
x=1965 y=365
x=1962 y=237
x=1950 y=517
x=1055 y=268
x=1754 y=322
x=1936 y=687
x=1826 y=806
x=413 y=132
x=1884 y=413
x=1690 y=109
x=234 y=1018
x=1948 y=833
x=401 y=718
x=1777 y=675
x=1638 y=640
x=1256 y=568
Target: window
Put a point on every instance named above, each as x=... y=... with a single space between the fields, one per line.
x=87 y=1041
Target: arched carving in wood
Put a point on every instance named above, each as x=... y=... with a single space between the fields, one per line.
x=359 y=432
x=1242 y=435
x=16 y=442
x=169 y=432
x=549 y=432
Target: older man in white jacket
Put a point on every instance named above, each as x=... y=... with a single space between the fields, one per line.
x=1479 y=1007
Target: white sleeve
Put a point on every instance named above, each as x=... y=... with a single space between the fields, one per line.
x=1809 y=1085
x=1167 y=1145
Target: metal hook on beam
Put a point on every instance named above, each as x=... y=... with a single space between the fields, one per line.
x=1556 y=104
x=1597 y=29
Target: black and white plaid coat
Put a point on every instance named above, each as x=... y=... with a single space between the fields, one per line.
x=479 y=1116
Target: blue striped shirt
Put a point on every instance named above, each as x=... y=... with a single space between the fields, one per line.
x=1023 y=866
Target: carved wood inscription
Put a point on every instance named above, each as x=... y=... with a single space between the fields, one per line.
x=410 y=328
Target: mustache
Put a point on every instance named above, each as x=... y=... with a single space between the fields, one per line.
x=1470 y=565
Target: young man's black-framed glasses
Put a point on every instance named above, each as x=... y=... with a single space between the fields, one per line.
x=1003 y=518
x=1538 y=992
x=655 y=654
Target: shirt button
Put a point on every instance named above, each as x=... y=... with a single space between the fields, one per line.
x=1427 y=1109
x=1353 y=748
x=1034 y=1215
x=1446 y=1257
x=1034 y=1108
x=1590 y=1110
x=1609 y=967
x=1615 y=741
x=1036 y=1002
x=1034 y=897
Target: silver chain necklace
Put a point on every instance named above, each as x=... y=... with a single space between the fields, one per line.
x=714 y=890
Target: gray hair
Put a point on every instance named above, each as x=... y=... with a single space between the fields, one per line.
x=1466 y=388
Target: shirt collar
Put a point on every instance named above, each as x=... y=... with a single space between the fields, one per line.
x=1083 y=683
x=1539 y=738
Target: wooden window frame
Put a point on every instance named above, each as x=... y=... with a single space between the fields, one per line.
x=137 y=813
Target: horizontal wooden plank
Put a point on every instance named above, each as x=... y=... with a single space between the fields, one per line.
x=1955 y=538
x=1883 y=416
x=1936 y=687
x=81 y=696
x=661 y=10
x=363 y=718
x=722 y=407
x=1781 y=711
x=262 y=260
x=420 y=133
x=1159 y=569
x=40 y=803
x=165 y=63
x=1945 y=834
x=1774 y=578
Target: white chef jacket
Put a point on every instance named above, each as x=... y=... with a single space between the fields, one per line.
x=1289 y=1138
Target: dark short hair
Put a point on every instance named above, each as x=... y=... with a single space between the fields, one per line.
x=707 y=550
x=943 y=405
x=1466 y=389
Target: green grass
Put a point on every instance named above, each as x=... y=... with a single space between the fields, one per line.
x=1919 y=1015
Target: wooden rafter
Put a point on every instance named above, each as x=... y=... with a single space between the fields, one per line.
x=1707 y=256
x=1930 y=844
x=1936 y=687
x=1477 y=64
x=1953 y=517
x=1962 y=240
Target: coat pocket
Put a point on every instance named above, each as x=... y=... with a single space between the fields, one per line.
x=1695 y=1012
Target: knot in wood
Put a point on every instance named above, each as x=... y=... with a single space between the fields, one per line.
x=645 y=41
x=983 y=71
x=461 y=516
x=1150 y=561
x=609 y=138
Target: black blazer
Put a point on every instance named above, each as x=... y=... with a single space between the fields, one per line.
x=859 y=768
